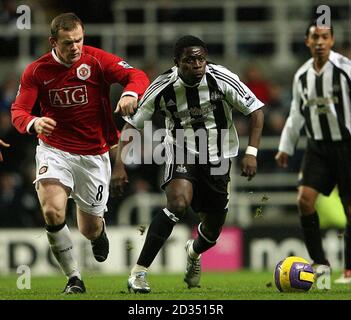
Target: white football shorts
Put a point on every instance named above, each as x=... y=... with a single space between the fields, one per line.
x=88 y=176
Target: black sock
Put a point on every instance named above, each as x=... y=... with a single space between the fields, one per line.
x=51 y=228
x=160 y=229
x=202 y=243
x=347 y=249
x=313 y=239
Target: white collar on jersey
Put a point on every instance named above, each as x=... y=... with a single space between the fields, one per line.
x=335 y=57
x=57 y=59
x=331 y=60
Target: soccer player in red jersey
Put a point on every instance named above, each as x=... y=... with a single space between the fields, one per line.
x=75 y=131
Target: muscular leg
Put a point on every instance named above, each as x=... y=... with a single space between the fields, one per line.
x=53 y=200
x=179 y=194
x=212 y=223
x=92 y=227
x=310 y=224
x=208 y=232
x=306 y=199
x=89 y=225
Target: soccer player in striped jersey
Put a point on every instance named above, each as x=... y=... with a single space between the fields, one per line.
x=197 y=99
x=321 y=104
x=75 y=132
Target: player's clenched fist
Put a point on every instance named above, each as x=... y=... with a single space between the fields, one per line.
x=282 y=159
x=119 y=179
x=249 y=166
x=44 y=125
x=127 y=105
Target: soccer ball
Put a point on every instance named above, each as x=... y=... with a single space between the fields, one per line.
x=293 y=274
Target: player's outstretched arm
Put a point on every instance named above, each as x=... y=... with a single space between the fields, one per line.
x=3 y=144
x=249 y=162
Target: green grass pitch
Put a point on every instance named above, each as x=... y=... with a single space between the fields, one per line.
x=240 y=285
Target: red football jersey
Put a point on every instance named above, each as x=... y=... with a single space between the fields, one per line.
x=77 y=97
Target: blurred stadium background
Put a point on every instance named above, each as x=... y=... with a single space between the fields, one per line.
x=260 y=40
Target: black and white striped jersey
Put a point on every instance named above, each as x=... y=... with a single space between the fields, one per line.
x=321 y=103
x=204 y=108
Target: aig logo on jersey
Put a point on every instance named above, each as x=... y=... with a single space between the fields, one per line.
x=83 y=71
x=68 y=96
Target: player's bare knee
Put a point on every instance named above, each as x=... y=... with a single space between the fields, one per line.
x=305 y=205
x=178 y=205
x=53 y=216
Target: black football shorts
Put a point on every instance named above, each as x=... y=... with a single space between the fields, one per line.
x=210 y=182
x=326 y=164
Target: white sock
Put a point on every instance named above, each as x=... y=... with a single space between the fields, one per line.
x=62 y=247
x=137 y=268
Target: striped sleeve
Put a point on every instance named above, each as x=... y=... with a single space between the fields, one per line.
x=237 y=94
x=294 y=123
x=146 y=105
x=143 y=114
